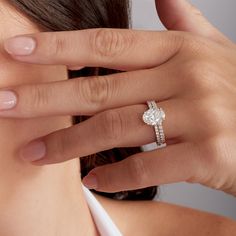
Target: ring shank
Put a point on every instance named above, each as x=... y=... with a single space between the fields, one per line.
x=159 y=131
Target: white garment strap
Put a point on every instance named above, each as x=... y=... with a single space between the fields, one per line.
x=104 y=223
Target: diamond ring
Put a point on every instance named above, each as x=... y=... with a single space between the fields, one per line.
x=155 y=116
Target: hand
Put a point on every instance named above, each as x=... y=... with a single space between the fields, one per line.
x=190 y=71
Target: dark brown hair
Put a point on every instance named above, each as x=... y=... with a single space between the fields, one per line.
x=64 y=15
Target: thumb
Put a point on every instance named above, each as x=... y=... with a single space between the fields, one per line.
x=182 y=16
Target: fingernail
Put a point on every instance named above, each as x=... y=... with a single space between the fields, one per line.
x=34 y=151
x=20 y=46
x=8 y=100
x=90 y=181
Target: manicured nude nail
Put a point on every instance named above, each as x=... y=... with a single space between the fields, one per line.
x=20 y=46
x=90 y=181
x=8 y=100
x=34 y=151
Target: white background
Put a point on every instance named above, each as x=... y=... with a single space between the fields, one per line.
x=222 y=15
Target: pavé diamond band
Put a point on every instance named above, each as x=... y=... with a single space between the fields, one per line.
x=155 y=116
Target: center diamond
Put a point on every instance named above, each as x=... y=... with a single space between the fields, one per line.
x=153 y=116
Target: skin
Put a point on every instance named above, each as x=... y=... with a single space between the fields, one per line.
x=189 y=69
x=27 y=198
x=156 y=218
x=48 y=200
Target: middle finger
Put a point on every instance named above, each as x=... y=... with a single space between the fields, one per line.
x=90 y=95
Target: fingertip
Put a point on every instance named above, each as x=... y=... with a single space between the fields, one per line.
x=20 y=46
x=34 y=151
x=8 y=100
x=90 y=181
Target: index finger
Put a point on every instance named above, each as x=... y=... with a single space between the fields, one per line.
x=120 y=49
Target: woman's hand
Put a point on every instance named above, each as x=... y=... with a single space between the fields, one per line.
x=191 y=74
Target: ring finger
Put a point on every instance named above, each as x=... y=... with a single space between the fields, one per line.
x=121 y=127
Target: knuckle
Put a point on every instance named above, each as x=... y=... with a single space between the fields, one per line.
x=194 y=68
x=107 y=43
x=95 y=90
x=217 y=157
x=217 y=151
x=210 y=152
x=197 y=45
x=57 y=45
x=60 y=145
x=201 y=75
x=107 y=179
x=214 y=117
x=138 y=172
x=38 y=99
x=113 y=127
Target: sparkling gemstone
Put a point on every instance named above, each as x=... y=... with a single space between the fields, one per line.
x=153 y=116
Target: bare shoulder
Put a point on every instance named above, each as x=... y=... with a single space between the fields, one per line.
x=152 y=218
